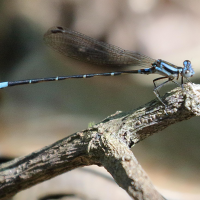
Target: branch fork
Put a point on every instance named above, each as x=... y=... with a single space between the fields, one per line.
x=105 y=144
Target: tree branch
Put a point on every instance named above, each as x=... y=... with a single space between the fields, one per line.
x=107 y=143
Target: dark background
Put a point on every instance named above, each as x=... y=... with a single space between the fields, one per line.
x=32 y=116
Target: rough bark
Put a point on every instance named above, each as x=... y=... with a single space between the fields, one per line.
x=105 y=144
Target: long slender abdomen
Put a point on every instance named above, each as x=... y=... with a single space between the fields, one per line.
x=145 y=71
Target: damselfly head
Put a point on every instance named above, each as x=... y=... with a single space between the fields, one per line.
x=187 y=69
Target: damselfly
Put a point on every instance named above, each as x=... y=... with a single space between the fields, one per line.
x=81 y=47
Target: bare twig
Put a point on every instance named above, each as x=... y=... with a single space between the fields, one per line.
x=107 y=143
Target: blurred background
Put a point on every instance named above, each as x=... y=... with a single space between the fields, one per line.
x=33 y=116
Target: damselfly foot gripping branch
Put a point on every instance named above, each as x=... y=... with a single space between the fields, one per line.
x=81 y=47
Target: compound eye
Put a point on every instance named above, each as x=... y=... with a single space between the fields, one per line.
x=187 y=70
x=186 y=63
